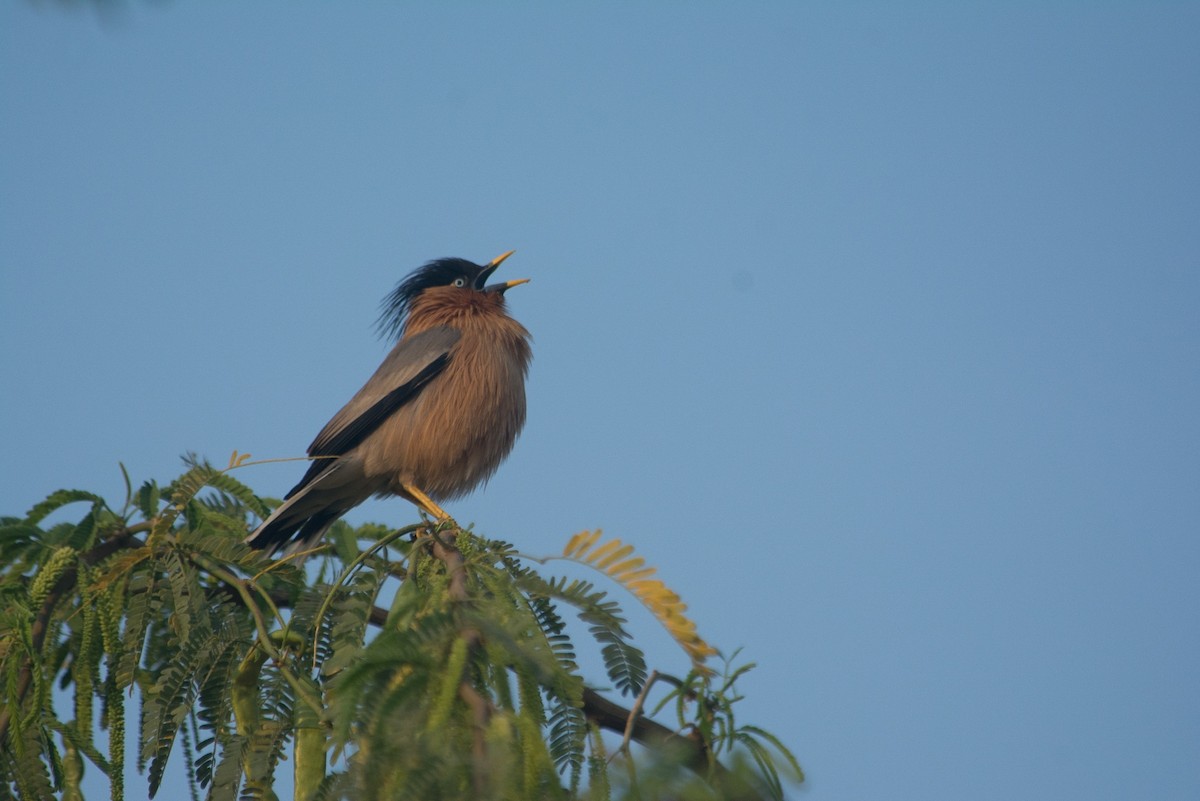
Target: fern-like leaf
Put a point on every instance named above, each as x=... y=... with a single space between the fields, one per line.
x=614 y=559
x=567 y=739
x=57 y=500
x=149 y=499
x=625 y=664
x=230 y=486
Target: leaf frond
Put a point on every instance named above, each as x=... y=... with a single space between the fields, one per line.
x=613 y=558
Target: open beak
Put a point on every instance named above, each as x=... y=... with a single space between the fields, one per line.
x=503 y=286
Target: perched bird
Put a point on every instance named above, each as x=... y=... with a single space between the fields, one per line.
x=437 y=417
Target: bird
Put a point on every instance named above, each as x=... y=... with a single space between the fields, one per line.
x=435 y=420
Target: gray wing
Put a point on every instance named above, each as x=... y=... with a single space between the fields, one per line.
x=414 y=362
x=331 y=487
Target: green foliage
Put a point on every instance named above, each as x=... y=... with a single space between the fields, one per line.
x=419 y=663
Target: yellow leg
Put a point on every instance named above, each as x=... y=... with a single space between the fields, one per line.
x=425 y=502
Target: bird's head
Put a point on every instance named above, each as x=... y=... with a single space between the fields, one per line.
x=454 y=279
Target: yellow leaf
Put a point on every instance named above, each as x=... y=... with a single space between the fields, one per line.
x=581 y=542
x=604 y=550
x=615 y=556
x=616 y=559
x=624 y=570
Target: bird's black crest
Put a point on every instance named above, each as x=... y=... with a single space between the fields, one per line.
x=393 y=315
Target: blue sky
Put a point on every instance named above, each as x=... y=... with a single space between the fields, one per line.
x=875 y=327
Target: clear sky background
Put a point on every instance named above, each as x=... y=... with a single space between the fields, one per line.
x=875 y=326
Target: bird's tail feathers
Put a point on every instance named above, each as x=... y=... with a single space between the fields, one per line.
x=311 y=507
x=298 y=523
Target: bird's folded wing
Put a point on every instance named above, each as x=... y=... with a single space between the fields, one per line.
x=404 y=373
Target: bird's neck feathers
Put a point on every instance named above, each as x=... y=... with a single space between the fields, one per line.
x=465 y=310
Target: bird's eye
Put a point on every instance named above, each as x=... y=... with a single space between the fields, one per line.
x=460 y=282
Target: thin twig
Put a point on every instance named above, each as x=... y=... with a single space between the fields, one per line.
x=634 y=714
